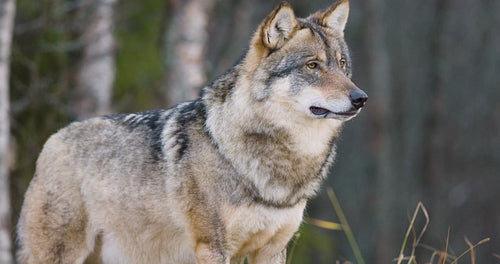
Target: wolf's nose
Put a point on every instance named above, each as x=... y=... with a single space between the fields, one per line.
x=358 y=98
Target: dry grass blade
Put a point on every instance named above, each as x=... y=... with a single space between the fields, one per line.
x=324 y=224
x=440 y=253
x=446 y=247
x=345 y=225
x=471 y=248
x=452 y=259
x=434 y=254
x=443 y=255
x=401 y=257
x=472 y=253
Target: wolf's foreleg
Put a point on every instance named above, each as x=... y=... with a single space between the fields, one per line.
x=208 y=254
x=264 y=257
x=274 y=252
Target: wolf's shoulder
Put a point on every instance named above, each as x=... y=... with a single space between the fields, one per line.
x=151 y=119
x=154 y=119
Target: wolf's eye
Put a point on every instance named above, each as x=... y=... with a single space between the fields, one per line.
x=342 y=63
x=312 y=65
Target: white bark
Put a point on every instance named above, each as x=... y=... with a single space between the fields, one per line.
x=7 y=12
x=185 y=47
x=97 y=72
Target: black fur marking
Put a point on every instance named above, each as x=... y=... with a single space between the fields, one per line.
x=190 y=112
x=58 y=249
x=282 y=70
x=222 y=87
x=153 y=120
x=187 y=114
x=182 y=139
x=146 y=118
x=277 y=205
x=281 y=73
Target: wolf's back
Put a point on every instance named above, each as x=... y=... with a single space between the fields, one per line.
x=99 y=170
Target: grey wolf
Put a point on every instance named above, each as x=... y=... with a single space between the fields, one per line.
x=214 y=180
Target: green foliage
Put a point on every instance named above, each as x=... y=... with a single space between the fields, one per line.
x=139 y=59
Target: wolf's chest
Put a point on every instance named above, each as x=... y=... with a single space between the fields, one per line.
x=249 y=228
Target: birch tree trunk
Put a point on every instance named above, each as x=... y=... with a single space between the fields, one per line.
x=185 y=44
x=97 y=71
x=7 y=12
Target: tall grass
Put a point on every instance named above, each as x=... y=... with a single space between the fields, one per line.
x=443 y=256
x=436 y=256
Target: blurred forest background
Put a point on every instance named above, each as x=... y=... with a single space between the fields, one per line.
x=430 y=131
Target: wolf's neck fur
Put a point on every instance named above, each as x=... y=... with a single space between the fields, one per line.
x=282 y=155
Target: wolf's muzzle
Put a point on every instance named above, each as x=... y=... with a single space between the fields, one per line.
x=358 y=98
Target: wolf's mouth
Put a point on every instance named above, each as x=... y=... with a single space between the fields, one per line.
x=319 y=111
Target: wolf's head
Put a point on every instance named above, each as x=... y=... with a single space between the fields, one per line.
x=276 y=114
x=304 y=64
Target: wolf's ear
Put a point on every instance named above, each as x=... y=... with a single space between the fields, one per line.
x=335 y=16
x=279 y=26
